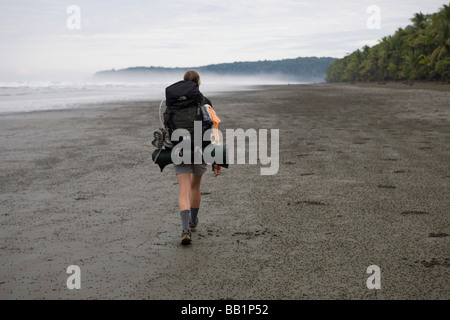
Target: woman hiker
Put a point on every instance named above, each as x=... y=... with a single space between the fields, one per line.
x=185 y=94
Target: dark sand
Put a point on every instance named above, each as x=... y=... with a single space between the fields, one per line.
x=364 y=180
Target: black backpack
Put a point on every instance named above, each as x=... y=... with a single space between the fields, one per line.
x=184 y=103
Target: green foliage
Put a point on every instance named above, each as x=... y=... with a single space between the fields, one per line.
x=311 y=67
x=421 y=51
x=443 y=68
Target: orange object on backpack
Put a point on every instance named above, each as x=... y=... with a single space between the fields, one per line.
x=215 y=119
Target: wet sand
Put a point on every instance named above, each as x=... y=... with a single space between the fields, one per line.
x=363 y=180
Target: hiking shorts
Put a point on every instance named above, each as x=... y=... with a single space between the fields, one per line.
x=197 y=169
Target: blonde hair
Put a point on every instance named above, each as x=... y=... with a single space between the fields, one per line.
x=193 y=76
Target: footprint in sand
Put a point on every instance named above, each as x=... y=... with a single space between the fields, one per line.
x=434 y=262
x=438 y=235
x=381 y=186
x=313 y=203
x=414 y=212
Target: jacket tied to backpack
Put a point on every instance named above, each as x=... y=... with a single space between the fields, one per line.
x=215 y=122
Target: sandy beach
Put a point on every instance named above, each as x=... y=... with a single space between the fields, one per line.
x=364 y=179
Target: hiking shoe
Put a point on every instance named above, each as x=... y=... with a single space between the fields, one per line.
x=186 y=237
x=166 y=140
x=193 y=225
x=158 y=141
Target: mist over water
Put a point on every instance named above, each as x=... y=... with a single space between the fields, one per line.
x=53 y=95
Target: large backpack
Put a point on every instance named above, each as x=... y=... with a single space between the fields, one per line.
x=184 y=101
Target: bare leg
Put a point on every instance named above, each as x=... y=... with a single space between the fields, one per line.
x=184 y=180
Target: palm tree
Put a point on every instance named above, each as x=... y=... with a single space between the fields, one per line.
x=441 y=29
x=418 y=39
x=410 y=67
x=419 y=51
x=419 y=21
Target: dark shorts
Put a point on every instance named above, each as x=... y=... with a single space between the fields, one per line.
x=197 y=169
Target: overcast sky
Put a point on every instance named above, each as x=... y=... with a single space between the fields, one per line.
x=37 y=44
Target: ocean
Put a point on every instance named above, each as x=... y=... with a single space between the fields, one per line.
x=39 y=96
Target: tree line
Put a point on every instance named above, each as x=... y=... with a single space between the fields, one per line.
x=309 y=66
x=298 y=68
x=421 y=51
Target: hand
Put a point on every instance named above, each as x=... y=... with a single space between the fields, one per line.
x=217 y=170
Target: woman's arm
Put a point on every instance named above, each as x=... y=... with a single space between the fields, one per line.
x=217 y=170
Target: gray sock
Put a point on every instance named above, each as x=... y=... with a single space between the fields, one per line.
x=185 y=219
x=194 y=213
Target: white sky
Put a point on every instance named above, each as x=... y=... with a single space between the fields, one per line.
x=35 y=43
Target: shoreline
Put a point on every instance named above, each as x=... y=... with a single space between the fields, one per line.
x=407 y=84
x=413 y=85
x=362 y=181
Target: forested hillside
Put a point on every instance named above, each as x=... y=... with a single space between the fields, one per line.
x=300 y=69
x=421 y=51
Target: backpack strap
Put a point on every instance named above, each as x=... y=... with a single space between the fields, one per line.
x=168 y=119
